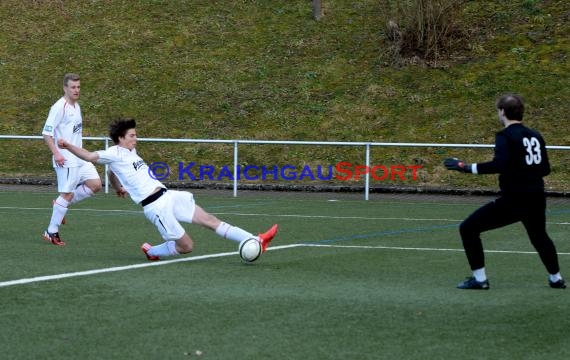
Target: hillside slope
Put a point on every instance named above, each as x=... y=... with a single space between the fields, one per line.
x=267 y=70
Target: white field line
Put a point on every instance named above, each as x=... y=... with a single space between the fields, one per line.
x=246 y=214
x=90 y=210
x=211 y=256
x=273 y=215
x=423 y=249
x=336 y=217
x=357 y=217
x=127 y=267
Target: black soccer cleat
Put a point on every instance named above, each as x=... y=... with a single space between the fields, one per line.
x=560 y=284
x=472 y=284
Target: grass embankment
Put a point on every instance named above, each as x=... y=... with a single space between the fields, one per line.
x=268 y=71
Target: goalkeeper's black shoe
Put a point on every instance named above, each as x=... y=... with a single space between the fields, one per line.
x=472 y=284
x=560 y=284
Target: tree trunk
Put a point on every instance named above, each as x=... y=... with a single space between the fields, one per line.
x=317 y=10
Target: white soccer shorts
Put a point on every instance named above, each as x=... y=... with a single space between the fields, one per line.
x=168 y=211
x=69 y=178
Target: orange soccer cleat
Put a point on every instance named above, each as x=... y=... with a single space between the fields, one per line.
x=267 y=236
x=145 y=248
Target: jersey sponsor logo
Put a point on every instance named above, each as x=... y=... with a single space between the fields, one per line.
x=138 y=164
x=77 y=128
x=48 y=128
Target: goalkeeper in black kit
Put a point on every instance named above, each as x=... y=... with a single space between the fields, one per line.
x=521 y=161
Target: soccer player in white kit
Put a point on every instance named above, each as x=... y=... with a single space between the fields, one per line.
x=76 y=179
x=129 y=174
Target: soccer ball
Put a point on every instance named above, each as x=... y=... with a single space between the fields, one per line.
x=250 y=250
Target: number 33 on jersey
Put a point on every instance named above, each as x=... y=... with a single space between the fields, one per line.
x=533 y=150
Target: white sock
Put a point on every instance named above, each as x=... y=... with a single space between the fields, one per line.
x=58 y=213
x=80 y=193
x=480 y=274
x=554 y=277
x=167 y=248
x=234 y=233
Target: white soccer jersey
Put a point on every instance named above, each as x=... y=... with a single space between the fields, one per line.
x=65 y=122
x=131 y=170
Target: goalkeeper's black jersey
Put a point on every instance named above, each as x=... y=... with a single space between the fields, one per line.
x=520 y=160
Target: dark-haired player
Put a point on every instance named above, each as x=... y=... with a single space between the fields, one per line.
x=164 y=208
x=521 y=161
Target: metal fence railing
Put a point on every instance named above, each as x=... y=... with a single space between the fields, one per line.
x=236 y=143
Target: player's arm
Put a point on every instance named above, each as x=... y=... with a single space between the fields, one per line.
x=500 y=160
x=497 y=165
x=59 y=159
x=52 y=122
x=79 y=152
x=116 y=184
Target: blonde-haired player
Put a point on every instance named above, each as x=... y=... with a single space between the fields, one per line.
x=77 y=180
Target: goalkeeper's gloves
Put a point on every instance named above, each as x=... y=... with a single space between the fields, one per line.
x=456 y=164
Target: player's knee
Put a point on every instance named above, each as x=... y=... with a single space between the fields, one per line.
x=185 y=244
x=95 y=187
x=465 y=230
x=185 y=248
x=67 y=196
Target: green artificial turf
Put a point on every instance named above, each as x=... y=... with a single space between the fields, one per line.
x=343 y=278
